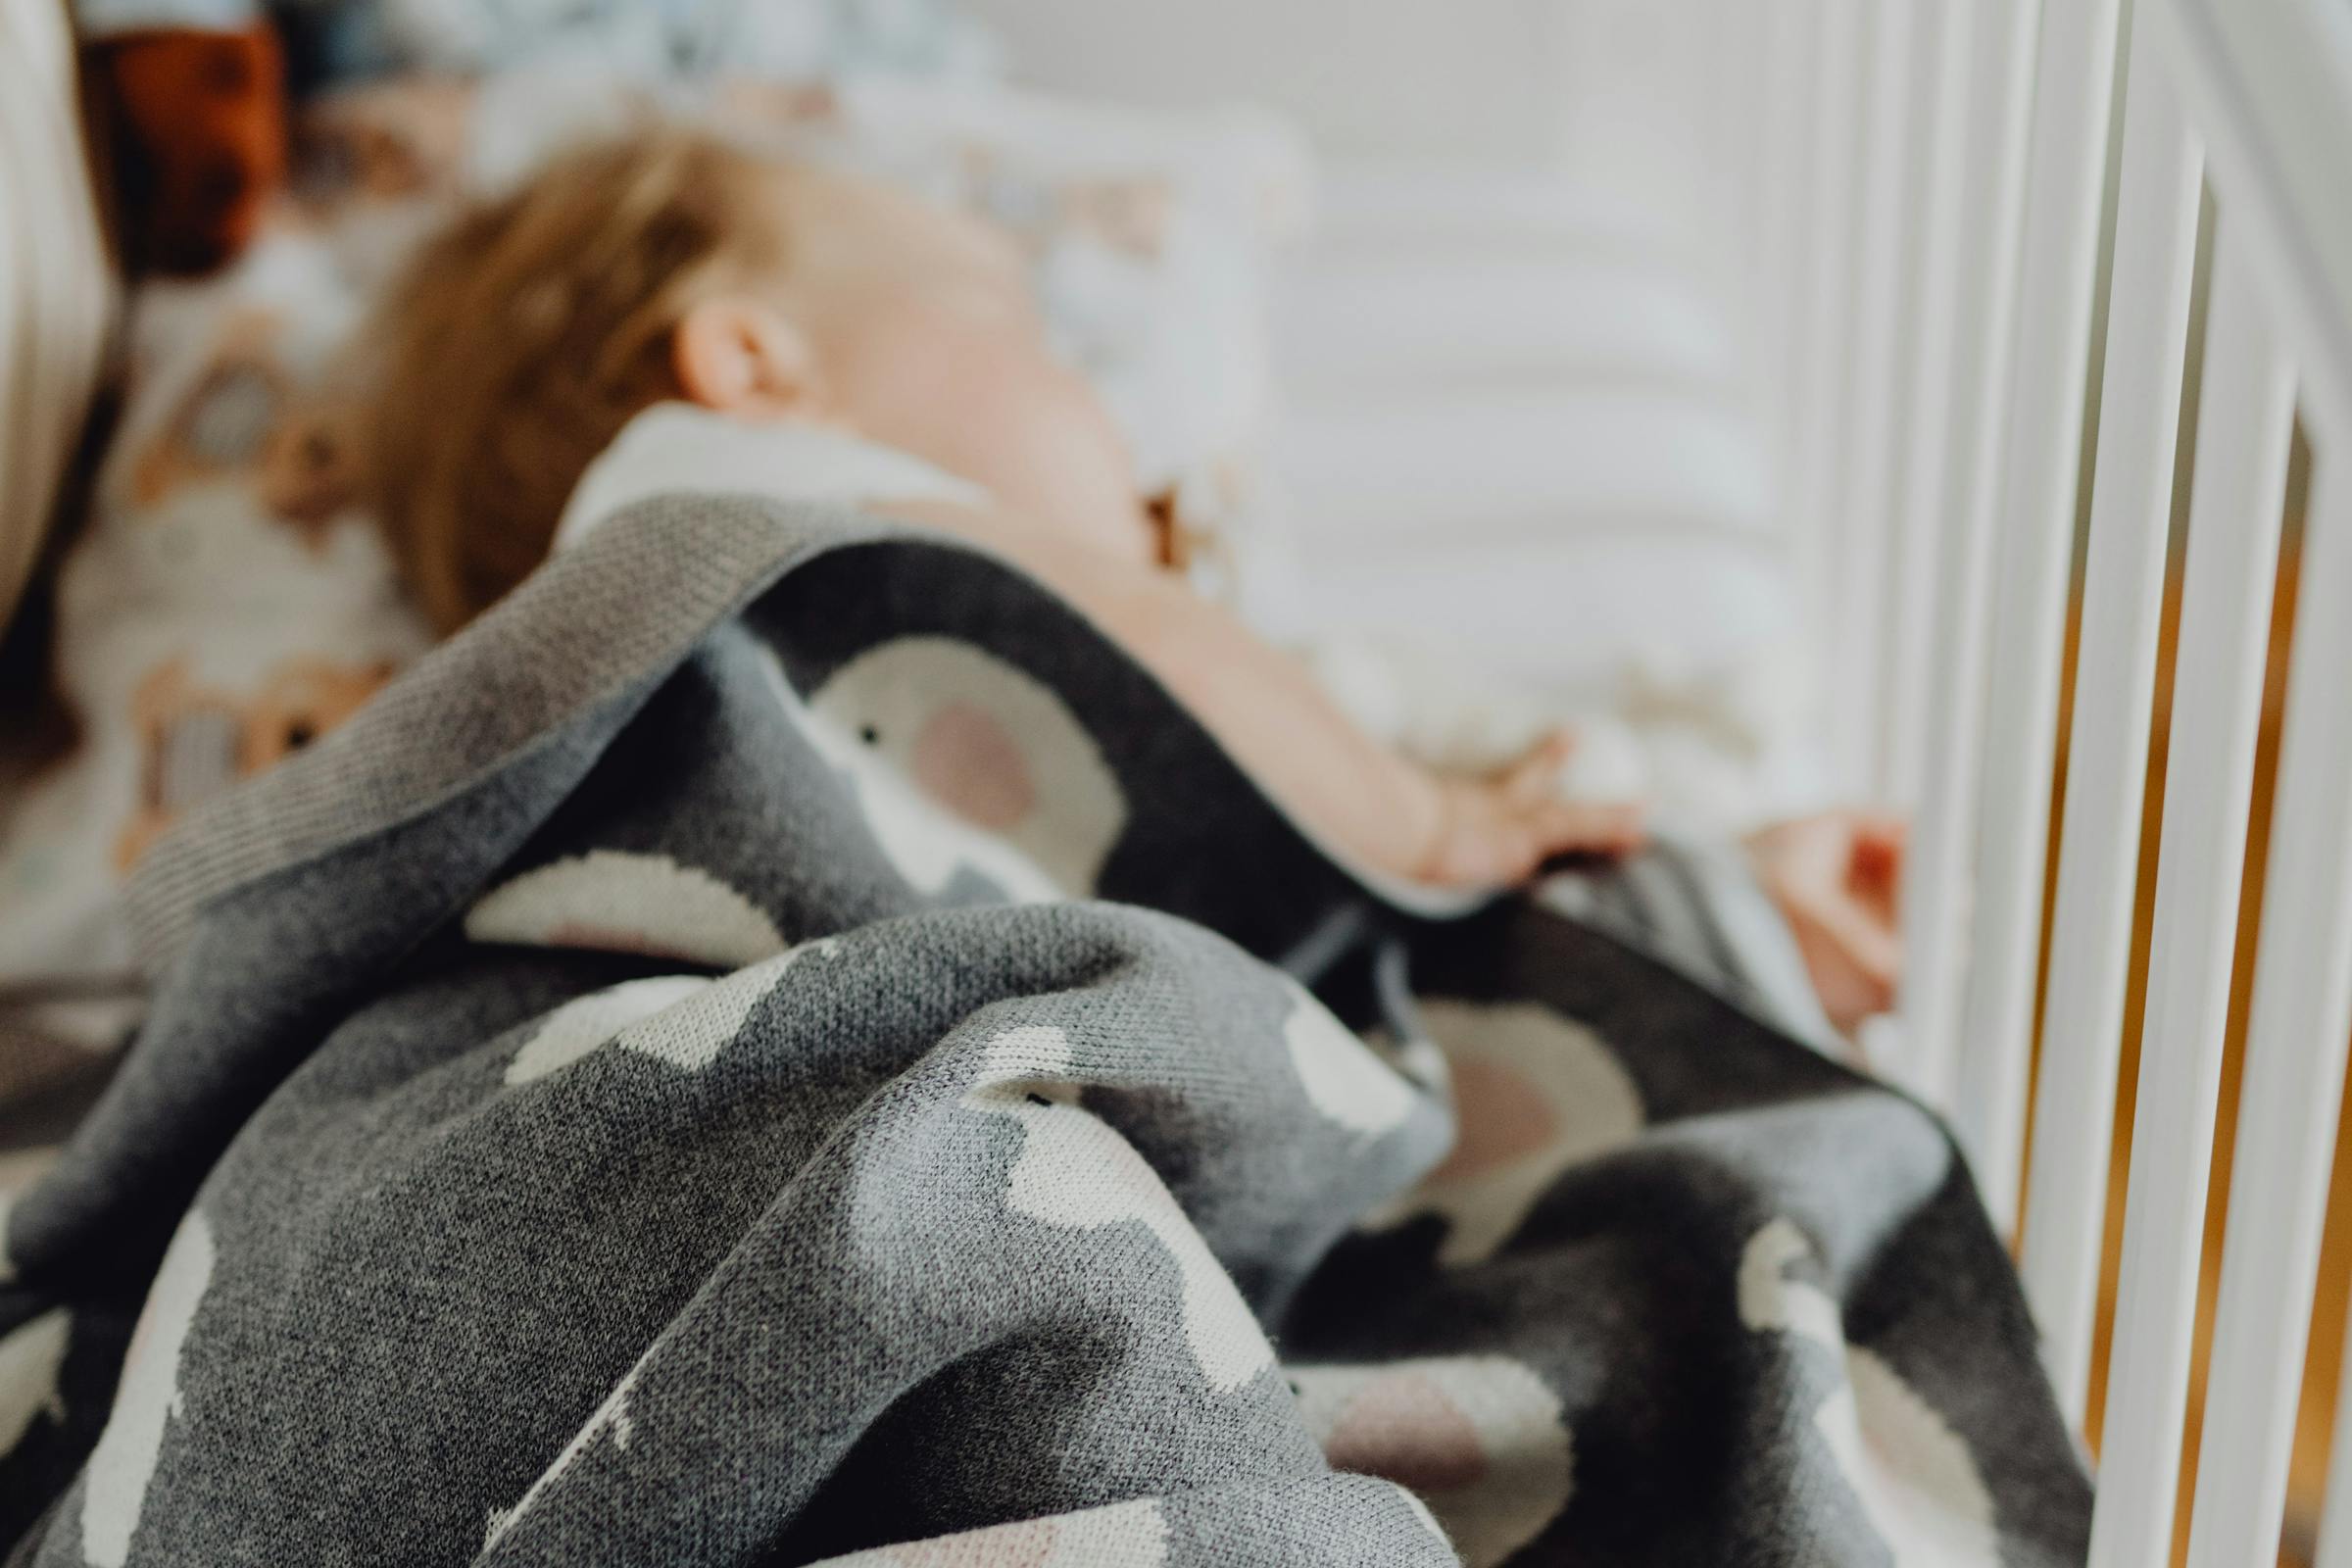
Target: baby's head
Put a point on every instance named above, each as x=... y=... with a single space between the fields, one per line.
x=673 y=265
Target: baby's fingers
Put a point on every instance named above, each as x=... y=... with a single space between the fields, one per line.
x=1536 y=776
x=1496 y=854
x=1868 y=944
x=1577 y=827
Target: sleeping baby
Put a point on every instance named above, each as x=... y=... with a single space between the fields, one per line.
x=670 y=312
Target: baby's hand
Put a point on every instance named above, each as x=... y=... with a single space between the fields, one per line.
x=1837 y=878
x=1489 y=832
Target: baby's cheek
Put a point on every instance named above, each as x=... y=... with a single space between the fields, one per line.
x=964 y=759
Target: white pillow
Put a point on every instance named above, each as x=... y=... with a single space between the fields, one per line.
x=1681 y=655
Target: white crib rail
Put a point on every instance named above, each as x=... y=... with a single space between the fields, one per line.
x=2294 y=1074
x=1837 y=45
x=1901 y=67
x=1962 y=493
x=2123 y=592
x=2058 y=270
x=2056 y=278
x=1935 y=261
x=1934 y=215
x=2225 y=615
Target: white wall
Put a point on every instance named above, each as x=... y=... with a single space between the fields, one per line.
x=1600 y=91
x=1477 y=79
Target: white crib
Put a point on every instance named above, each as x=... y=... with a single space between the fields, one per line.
x=1956 y=236
x=1925 y=185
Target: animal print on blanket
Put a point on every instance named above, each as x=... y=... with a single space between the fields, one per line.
x=576 y=1129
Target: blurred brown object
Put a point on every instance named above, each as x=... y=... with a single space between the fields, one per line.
x=196 y=126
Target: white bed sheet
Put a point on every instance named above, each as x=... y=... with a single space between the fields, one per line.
x=1512 y=429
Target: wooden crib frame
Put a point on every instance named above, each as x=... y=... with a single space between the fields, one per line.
x=1921 y=185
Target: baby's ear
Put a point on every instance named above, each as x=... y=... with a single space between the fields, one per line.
x=740 y=355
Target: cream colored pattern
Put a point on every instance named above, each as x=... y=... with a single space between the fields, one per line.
x=1074 y=1171
x=629 y=902
x=1481 y=1438
x=894 y=693
x=1123 y=1534
x=1342 y=1076
x=115 y=1482
x=612 y=1419
x=683 y=1019
x=1512 y=1063
x=1914 y=1477
x=19 y=1170
x=583 y=1024
x=29 y=1360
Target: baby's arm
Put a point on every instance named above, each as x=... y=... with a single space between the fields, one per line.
x=1343 y=784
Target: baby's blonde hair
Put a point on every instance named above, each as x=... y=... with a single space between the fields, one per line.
x=521 y=340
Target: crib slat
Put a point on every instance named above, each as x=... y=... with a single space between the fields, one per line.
x=1812 y=23
x=1787 y=187
x=2244 y=426
x=2065 y=182
x=1937 y=882
x=1842 y=30
x=1877 y=383
x=2266 y=83
x=1917 y=414
x=2294 y=1075
x=2115 y=675
x=2335 y=1517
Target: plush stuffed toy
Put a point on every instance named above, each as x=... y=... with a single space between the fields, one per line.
x=196 y=129
x=196 y=740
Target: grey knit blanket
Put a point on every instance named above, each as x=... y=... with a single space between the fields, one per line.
x=781 y=1045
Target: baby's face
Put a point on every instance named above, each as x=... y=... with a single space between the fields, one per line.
x=926 y=338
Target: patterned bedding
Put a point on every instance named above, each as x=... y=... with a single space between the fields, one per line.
x=780 y=1045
